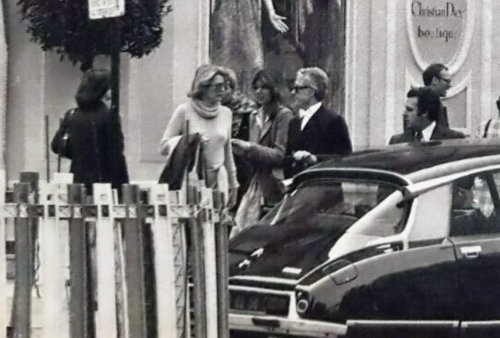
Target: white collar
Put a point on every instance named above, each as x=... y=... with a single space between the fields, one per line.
x=260 y=117
x=427 y=132
x=306 y=115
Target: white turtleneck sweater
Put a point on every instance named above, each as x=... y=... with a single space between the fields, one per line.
x=214 y=124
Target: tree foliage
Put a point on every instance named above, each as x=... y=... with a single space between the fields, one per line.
x=64 y=26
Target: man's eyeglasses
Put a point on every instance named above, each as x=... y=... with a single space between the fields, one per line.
x=296 y=88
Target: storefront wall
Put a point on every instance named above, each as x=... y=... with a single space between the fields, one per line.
x=384 y=57
x=40 y=85
x=390 y=43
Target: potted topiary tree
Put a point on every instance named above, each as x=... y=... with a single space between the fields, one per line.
x=64 y=27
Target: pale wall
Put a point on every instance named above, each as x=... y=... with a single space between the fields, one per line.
x=39 y=84
x=381 y=67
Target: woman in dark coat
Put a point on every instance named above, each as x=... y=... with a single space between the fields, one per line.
x=96 y=138
x=264 y=152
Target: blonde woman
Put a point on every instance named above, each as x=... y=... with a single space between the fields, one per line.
x=212 y=121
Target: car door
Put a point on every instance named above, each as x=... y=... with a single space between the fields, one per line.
x=477 y=247
x=416 y=281
x=414 y=284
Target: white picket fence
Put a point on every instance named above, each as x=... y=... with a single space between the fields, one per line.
x=51 y=313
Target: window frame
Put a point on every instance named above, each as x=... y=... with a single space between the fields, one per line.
x=488 y=178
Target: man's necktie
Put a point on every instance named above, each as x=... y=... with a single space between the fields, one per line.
x=418 y=136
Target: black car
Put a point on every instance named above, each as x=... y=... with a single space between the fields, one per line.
x=405 y=233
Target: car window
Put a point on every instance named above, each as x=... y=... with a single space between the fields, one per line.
x=331 y=203
x=473 y=210
x=386 y=220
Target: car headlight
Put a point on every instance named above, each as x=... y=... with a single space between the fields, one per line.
x=302 y=304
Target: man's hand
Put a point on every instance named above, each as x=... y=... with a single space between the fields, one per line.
x=304 y=156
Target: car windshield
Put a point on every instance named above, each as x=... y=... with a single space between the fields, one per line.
x=339 y=204
x=309 y=222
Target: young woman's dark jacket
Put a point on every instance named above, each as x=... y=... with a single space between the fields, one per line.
x=97 y=146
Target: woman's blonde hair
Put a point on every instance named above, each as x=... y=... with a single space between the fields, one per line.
x=202 y=79
x=231 y=77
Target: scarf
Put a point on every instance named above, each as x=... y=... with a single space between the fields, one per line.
x=205 y=111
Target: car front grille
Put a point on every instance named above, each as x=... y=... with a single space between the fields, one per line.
x=258 y=303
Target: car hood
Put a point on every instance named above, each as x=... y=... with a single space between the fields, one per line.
x=281 y=251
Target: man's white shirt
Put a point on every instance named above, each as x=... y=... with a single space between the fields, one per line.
x=427 y=132
x=306 y=115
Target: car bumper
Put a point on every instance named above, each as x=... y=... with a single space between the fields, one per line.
x=285 y=326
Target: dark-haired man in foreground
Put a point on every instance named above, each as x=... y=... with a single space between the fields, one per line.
x=421 y=112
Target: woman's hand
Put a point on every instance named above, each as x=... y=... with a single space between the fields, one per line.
x=278 y=22
x=239 y=146
x=205 y=140
x=232 y=198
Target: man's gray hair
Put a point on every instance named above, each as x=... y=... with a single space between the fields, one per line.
x=318 y=78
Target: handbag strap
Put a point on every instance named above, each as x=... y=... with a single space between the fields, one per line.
x=486 y=128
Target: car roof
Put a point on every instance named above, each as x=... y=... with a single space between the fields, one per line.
x=411 y=162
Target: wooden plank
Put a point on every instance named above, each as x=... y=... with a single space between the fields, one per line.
x=197 y=257
x=55 y=313
x=134 y=263
x=208 y=226
x=24 y=273
x=3 y=256
x=121 y=290
x=80 y=323
x=106 y=314
x=164 y=264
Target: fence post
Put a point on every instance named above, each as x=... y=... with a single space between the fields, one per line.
x=164 y=264
x=196 y=250
x=106 y=324
x=80 y=322
x=134 y=263
x=32 y=179
x=222 y=260
x=55 y=319
x=3 y=258
x=206 y=218
x=24 y=258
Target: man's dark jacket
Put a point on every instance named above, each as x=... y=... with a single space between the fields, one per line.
x=439 y=133
x=325 y=135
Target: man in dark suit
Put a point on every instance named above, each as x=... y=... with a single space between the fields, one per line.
x=437 y=78
x=317 y=133
x=421 y=112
